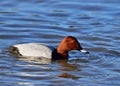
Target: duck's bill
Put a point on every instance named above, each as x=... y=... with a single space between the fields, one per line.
x=84 y=51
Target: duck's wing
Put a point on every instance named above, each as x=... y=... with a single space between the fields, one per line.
x=32 y=50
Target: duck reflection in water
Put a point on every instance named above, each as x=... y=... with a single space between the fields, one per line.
x=66 y=67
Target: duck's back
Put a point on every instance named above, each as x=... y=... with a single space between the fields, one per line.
x=33 y=50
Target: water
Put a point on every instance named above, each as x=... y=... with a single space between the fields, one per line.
x=95 y=23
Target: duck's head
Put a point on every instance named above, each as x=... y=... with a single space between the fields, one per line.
x=67 y=44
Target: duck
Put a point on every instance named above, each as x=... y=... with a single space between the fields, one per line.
x=37 y=50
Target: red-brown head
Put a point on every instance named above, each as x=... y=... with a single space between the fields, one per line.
x=67 y=44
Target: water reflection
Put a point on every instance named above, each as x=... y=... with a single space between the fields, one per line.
x=65 y=67
x=66 y=75
x=40 y=60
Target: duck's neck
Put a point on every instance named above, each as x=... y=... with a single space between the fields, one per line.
x=59 y=55
x=63 y=54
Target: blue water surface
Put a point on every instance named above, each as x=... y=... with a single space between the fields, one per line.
x=95 y=23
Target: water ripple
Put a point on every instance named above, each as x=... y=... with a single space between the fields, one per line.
x=94 y=23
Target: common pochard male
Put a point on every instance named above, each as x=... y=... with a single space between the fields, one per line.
x=37 y=50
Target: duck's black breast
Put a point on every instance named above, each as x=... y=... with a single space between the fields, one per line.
x=57 y=56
